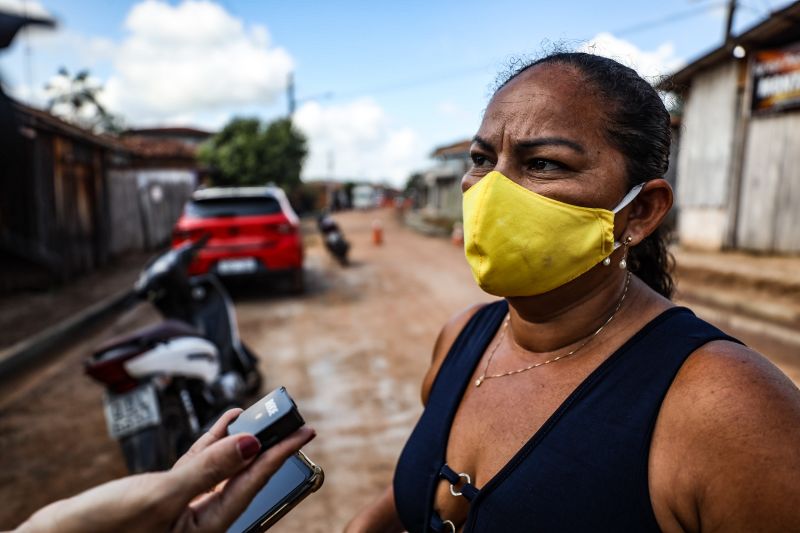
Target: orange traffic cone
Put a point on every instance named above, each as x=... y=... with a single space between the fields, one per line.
x=457 y=237
x=377 y=232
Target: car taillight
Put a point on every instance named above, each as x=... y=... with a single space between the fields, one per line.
x=284 y=228
x=180 y=235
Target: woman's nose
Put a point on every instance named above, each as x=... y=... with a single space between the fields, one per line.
x=468 y=181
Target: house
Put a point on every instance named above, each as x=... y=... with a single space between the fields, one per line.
x=738 y=169
x=189 y=136
x=54 y=220
x=70 y=200
x=161 y=172
x=443 y=181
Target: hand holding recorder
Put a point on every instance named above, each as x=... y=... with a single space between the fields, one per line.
x=208 y=489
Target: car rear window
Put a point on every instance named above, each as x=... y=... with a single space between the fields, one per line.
x=232 y=207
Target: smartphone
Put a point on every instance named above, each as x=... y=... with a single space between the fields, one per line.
x=296 y=479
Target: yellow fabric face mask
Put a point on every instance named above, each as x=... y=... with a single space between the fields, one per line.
x=520 y=243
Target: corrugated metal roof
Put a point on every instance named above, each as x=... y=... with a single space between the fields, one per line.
x=458 y=148
x=144 y=147
x=160 y=148
x=781 y=27
x=169 y=130
x=39 y=119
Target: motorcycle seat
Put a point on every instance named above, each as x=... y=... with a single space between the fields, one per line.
x=144 y=338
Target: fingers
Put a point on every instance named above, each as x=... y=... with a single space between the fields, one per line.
x=218 y=431
x=206 y=468
x=220 y=512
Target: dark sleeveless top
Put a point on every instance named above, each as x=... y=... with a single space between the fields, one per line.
x=586 y=468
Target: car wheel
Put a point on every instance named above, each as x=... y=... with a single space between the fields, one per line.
x=297 y=283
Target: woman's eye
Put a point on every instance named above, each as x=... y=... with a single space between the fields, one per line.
x=478 y=160
x=543 y=164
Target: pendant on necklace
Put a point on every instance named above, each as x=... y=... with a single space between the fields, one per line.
x=478 y=382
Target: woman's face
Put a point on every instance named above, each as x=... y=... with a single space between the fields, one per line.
x=545 y=131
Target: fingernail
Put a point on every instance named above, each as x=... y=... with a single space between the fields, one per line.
x=248 y=447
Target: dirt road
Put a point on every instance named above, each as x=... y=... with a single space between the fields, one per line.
x=352 y=351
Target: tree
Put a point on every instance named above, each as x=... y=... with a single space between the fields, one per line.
x=249 y=152
x=76 y=99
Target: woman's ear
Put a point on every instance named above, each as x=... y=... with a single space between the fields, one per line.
x=648 y=210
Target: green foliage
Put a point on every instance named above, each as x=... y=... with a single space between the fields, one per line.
x=76 y=99
x=249 y=152
x=415 y=182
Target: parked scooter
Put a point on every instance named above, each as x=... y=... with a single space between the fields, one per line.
x=334 y=239
x=166 y=382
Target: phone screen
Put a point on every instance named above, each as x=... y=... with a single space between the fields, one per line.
x=289 y=478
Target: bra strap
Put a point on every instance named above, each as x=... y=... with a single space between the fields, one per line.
x=467 y=489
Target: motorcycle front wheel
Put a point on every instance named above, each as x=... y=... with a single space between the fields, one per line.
x=252 y=375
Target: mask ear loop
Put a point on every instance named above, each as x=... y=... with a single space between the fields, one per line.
x=628 y=198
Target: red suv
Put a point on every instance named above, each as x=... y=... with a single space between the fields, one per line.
x=253 y=230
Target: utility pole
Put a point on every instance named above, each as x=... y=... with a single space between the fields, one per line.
x=27 y=57
x=290 y=94
x=729 y=24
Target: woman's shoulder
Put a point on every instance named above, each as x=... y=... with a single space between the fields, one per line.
x=728 y=432
x=447 y=337
x=734 y=380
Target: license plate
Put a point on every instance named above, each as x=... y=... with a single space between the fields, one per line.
x=128 y=413
x=245 y=265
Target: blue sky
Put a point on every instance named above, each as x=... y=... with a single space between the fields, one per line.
x=379 y=84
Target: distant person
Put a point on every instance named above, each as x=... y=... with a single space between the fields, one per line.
x=584 y=400
x=206 y=490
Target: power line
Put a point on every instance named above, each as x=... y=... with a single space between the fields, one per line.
x=674 y=17
x=460 y=73
x=413 y=83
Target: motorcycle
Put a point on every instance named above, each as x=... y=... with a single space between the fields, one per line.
x=166 y=383
x=333 y=238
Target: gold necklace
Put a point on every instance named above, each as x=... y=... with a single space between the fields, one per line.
x=483 y=377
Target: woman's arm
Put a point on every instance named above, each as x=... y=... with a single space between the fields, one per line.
x=726 y=453
x=206 y=490
x=380 y=516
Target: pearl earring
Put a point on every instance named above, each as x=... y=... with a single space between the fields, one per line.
x=607 y=261
x=623 y=264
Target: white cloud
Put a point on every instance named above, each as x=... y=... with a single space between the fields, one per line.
x=51 y=50
x=71 y=46
x=649 y=64
x=359 y=140
x=190 y=58
x=449 y=109
x=21 y=7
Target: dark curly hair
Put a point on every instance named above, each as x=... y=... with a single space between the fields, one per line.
x=638 y=125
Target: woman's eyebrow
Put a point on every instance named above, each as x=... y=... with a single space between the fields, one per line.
x=534 y=143
x=483 y=143
x=549 y=141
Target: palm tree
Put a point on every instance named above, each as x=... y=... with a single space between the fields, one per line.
x=75 y=99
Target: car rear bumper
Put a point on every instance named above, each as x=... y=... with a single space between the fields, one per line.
x=275 y=259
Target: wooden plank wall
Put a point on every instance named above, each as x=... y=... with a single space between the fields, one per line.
x=75 y=224
x=769 y=214
x=704 y=159
x=126 y=215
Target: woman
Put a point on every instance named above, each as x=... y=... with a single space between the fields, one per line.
x=585 y=400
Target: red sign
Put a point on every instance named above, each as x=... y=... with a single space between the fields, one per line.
x=776 y=79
